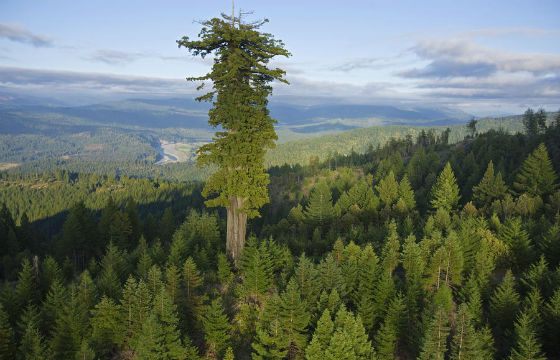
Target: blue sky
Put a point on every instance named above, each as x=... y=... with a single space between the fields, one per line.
x=484 y=57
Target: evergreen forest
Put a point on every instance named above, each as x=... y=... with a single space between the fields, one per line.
x=419 y=249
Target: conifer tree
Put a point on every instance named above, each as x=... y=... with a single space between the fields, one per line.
x=504 y=305
x=160 y=337
x=32 y=345
x=108 y=326
x=320 y=210
x=391 y=330
x=435 y=338
x=530 y=123
x=53 y=304
x=552 y=324
x=321 y=337
x=27 y=285
x=216 y=329
x=445 y=192
x=294 y=318
x=536 y=176
x=345 y=338
x=388 y=189
x=7 y=344
x=527 y=346
x=270 y=340
x=490 y=188
x=240 y=78
x=517 y=240
x=367 y=278
x=414 y=264
x=407 y=201
x=466 y=342
x=256 y=271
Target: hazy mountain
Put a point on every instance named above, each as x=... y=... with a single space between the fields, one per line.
x=19 y=112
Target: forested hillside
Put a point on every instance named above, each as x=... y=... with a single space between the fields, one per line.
x=424 y=248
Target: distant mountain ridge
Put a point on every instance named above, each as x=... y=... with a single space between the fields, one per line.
x=161 y=113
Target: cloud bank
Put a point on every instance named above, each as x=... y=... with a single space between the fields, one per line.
x=21 y=35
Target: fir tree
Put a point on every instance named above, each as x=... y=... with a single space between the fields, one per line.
x=256 y=271
x=517 y=239
x=504 y=305
x=216 y=329
x=321 y=337
x=241 y=80
x=445 y=192
x=7 y=344
x=320 y=210
x=435 y=338
x=108 y=326
x=552 y=324
x=466 y=342
x=530 y=123
x=391 y=330
x=160 y=337
x=527 y=346
x=536 y=176
x=388 y=189
x=490 y=188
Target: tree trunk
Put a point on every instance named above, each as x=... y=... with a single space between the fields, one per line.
x=236 y=228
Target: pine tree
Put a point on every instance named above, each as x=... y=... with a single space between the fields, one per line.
x=435 y=338
x=517 y=240
x=241 y=80
x=7 y=344
x=27 y=286
x=108 y=326
x=32 y=345
x=530 y=123
x=270 y=340
x=294 y=318
x=536 y=176
x=321 y=337
x=490 y=188
x=167 y=225
x=414 y=264
x=504 y=305
x=320 y=210
x=367 y=278
x=445 y=192
x=552 y=324
x=391 y=330
x=53 y=304
x=527 y=346
x=160 y=337
x=388 y=189
x=135 y=306
x=216 y=328
x=256 y=271
x=466 y=342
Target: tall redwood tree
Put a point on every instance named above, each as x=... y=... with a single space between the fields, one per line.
x=240 y=79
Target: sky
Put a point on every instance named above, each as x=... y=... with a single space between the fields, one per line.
x=482 y=57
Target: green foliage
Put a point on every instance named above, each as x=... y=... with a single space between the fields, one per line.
x=435 y=338
x=467 y=342
x=445 y=192
x=527 y=346
x=7 y=345
x=490 y=188
x=240 y=78
x=345 y=338
x=160 y=337
x=216 y=328
x=320 y=209
x=537 y=176
x=391 y=330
